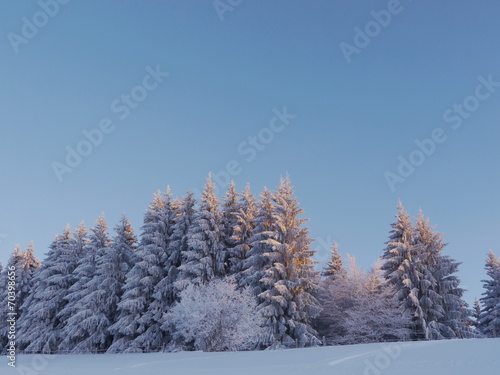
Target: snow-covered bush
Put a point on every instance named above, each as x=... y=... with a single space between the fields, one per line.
x=359 y=308
x=216 y=317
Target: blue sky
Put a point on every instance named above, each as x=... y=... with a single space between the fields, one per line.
x=348 y=121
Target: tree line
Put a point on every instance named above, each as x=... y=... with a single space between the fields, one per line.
x=236 y=273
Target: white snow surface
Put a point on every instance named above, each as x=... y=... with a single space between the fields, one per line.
x=447 y=357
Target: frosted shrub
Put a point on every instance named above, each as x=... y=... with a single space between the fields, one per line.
x=217 y=317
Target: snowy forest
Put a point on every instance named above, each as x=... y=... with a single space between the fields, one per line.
x=236 y=273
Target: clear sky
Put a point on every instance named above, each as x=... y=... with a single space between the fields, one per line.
x=330 y=92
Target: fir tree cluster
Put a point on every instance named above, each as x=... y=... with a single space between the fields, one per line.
x=96 y=294
x=236 y=273
x=424 y=279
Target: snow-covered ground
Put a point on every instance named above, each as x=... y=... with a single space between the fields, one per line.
x=452 y=357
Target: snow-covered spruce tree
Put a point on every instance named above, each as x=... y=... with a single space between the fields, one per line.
x=335 y=296
x=90 y=327
x=456 y=311
x=179 y=244
x=109 y=282
x=75 y=313
x=423 y=280
x=489 y=321
x=288 y=305
x=163 y=295
x=476 y=315
x=80 y=239
x=243 y=231
x=149 y=268
x=229 y=220
x=444 y=313
x=334 y=267
x=216 y=316
x=40 y=329
x=29 y=265
x=87 y=330
x=24 y=265
x=9 y=304
x=400 y=270
x=427 y=249
x=167 y=290
x=14 y=262
x=206 y=255
x=256 y=263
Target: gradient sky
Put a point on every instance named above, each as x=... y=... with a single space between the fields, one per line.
x=353 y=120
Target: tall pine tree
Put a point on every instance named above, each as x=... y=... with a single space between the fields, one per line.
x=109 y=283
x=444 y=313
x=229 y=220
x=476 y=315
x=489 y=321
x=82 y=331
x=179 y=243
x=424 y=280
x=29 y=265
x=168 y=289
x=206 y=257
x=334 y=267
x=400 y=271
x=133 y=317
x=256 y=262
x=288 y=305
x=242 y=233
x=9 y=278
x=40 y=329
x=154 y=337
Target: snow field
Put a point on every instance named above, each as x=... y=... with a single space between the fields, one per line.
x=445 y=357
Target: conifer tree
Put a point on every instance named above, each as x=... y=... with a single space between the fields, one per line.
x=443 y=312
x=40 y=329
x=168 y=289
x=335 y=296
x=426 y=261
x=288 y=305
x=206 y=256
x=154 y=337
x=243 y=230
x=149 y=268
x=9 y=277
x=80 y=239
x=87 y=321
x=400 y=261
x=489 y=321
x=179 y=243
x=256 y=263
x=476 y=313
x=29 y=265
x=229 y=219
x=424 y=280
x=111 y=272
x=75 y=311
x=456 y=310
x=334 y=267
